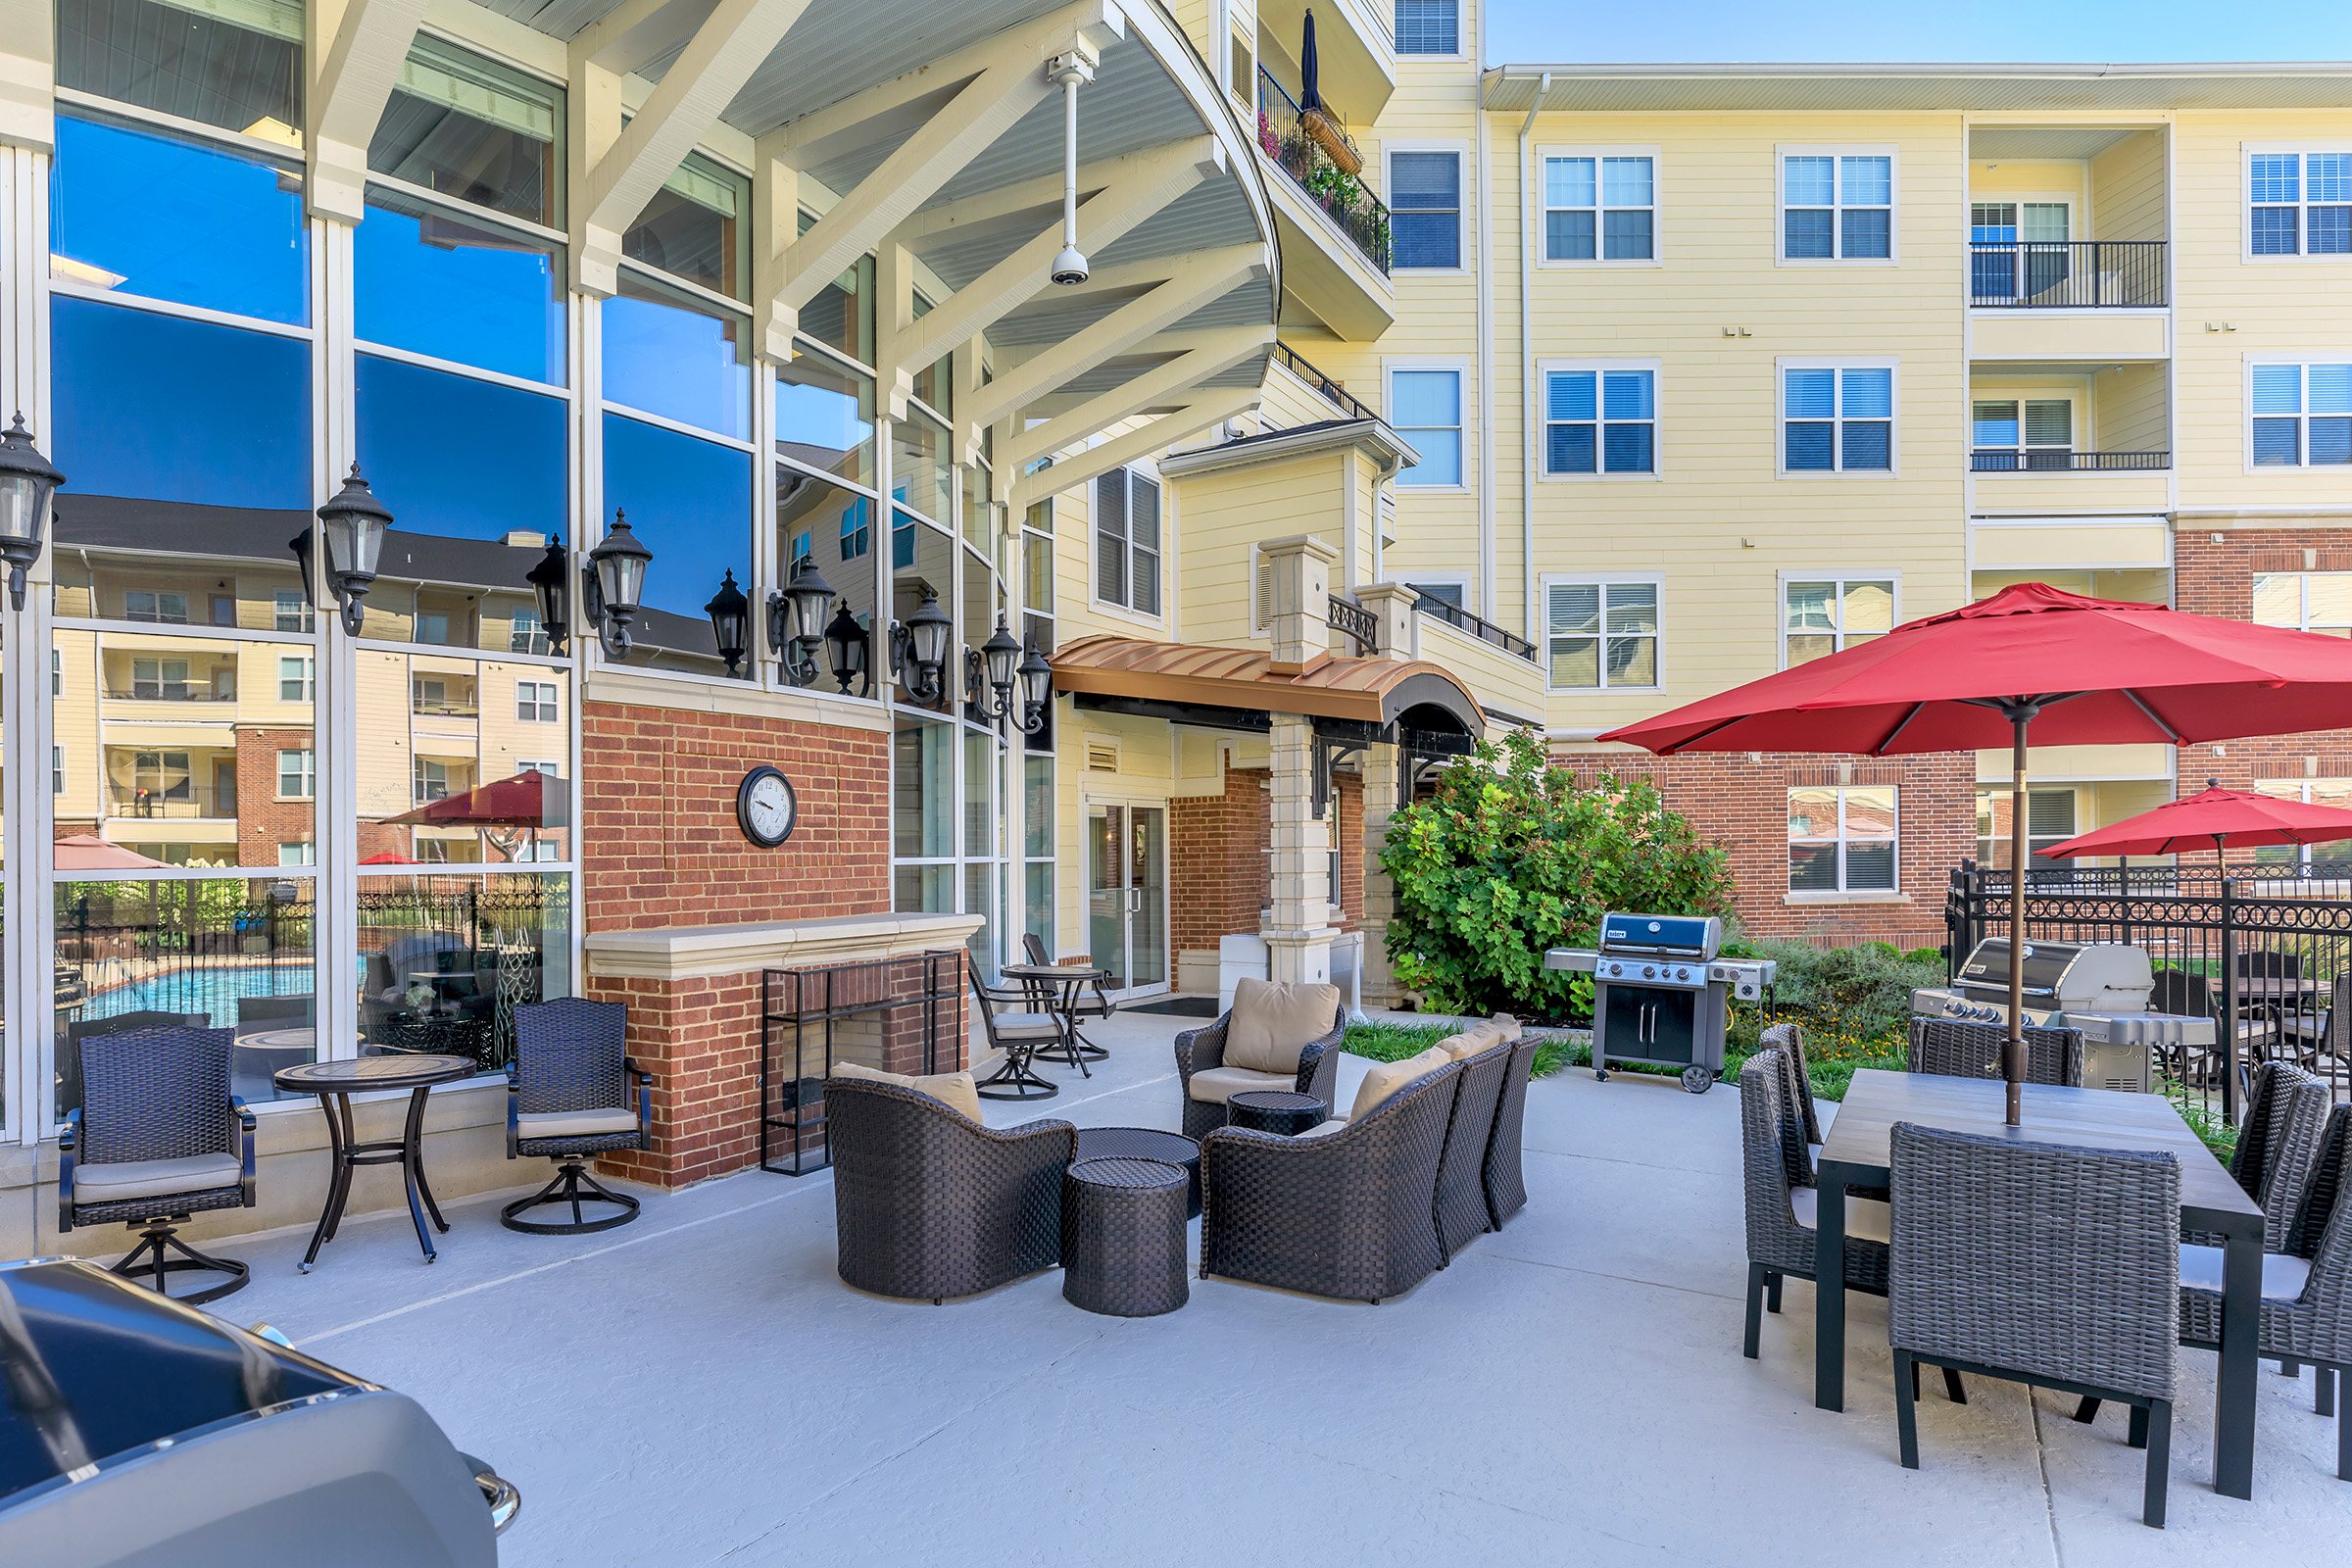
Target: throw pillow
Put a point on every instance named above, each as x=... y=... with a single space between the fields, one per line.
x=1272 y=1021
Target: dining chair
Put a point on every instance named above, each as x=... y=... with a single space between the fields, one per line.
x=2256 y=1029
x=1097 y=1006
x=1984 y=1278
x=2327 y=1034
x=1957 y=1049
x=1017 y=1031
x=2278 y=1145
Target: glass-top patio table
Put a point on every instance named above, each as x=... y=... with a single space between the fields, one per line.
x=1856 y=1156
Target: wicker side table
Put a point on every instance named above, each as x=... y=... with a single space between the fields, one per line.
x=1277 y=1110
x=1122 y=1237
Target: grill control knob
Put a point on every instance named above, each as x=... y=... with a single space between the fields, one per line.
x=1648 y=972
x=1681 y=974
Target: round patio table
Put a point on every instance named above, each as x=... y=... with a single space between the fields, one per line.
x=1146 y=1143
x=335 y=1083
x=1076 y=1050
x=1276 y=1111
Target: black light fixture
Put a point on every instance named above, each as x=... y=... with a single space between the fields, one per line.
x=1036 y=678
x=26 y=481
x=353 y=523
x=988 y=668
x=616 y=584
x=730 y=616
x=796 y=622
x=845 y=648
x=551 y=581
x=922 y=641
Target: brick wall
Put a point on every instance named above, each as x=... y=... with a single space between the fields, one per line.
x=2212 y=578
x=264 y=821
x=1217 y=865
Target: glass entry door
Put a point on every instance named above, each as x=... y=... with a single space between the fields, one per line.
x=1127 y=896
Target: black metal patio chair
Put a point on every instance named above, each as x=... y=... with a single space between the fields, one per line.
x=568 y=1100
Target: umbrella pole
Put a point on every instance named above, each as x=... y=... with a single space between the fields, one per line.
x=2013 y=1052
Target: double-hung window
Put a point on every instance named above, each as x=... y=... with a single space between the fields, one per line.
x=2298 y=415
x=297 y=774
x=1841 y=839
x=1837 y=419
x=2007 y=435
x=1429 y=27
x=2305 y=601
x=1601 y=634
x=163 y=609
x=535 y=702
x=1823 y=615
x=297 y=677
x=1837 y=206
x=2299 y=204
x=1600 y=421
x=1127 y=541
x=2049 y=821
x=525 y=634
x=1425 y=210
x=1425 y=408
x=1600 y=207
x=290 y=610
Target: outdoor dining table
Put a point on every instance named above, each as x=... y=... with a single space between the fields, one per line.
x=1856 y=1155
x=335 y=1083
x=1071 y=979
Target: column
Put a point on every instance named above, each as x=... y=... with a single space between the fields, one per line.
x=1392 y=605
x=1299 y=929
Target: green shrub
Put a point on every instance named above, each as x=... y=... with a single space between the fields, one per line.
x=1855 y=1002
x=1394 y=1042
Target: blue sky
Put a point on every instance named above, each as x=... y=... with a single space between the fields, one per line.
x=1549 y=33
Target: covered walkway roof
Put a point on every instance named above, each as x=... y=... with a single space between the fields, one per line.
x=1369 y=690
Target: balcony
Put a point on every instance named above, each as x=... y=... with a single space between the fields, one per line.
x=169 y=691
x=1333 y=230
x=1485 y=631
x=2066 y=274
x=166 y=800
x=1331 y=391
x=1305 y=152
x=2032 y=460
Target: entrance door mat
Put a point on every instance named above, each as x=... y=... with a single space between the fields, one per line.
x=1179 y=1006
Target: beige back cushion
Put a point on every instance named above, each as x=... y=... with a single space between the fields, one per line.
x=1482 y=1035
x=1273 y=1020
x=1387 y=1077
x=1510 y=1026
x=954 y=1090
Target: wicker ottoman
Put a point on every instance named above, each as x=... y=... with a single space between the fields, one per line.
x=1277 y=1110
x=1122 y=1237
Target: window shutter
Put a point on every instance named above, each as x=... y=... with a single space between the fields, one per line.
x=1110 y=537
x=1142 y=538
x=1261 y=591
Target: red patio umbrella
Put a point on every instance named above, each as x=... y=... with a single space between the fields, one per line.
x=87 y=852
x=2213 y=816
x=391 y=858
x=2070 y=671
x=529 y=798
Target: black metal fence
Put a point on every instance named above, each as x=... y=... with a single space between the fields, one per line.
x=2060 y=462
x=1337 y=395
x=1360 y=214
x=2066 y=274
x=2263 y=947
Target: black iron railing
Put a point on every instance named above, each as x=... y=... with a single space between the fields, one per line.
x=894 y=1014
x=1485 y=631
x=1360 y=625
x=169 y=691
x=1333 y=393
x=1342 y=195
x=2031 y=462
x=176 y=800
x=2066 y=274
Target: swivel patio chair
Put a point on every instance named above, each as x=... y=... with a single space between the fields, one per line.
x=157 y=1140
x=1957 y=1049
x=1206 y=1079
x=69 y=1049
x=1461 y=1203
x=1505 y=1176
x=1096 y=1006
x=929 y=1203
x=1994 y=1274
x=568 y=1100
x=1345 y=1214
x=1017 y=1035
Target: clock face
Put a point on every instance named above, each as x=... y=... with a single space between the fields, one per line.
x=765 y=806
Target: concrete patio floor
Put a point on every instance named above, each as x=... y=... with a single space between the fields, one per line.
x=700 y=1387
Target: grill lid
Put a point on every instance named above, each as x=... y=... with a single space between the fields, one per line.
x=1669 y=936
x=1987 y=971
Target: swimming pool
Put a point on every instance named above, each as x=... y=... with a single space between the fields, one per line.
x=213 y=991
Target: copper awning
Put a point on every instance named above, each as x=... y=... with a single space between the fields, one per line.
x=1372 y=691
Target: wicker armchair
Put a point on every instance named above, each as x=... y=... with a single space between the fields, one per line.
x=1957 y=1049
x=1198 y=1051
x=568 y=1100
x=157 y=1138
x=1461 y=1208
x=928 y=1203
x=1505 y=1176
x=1979 y=1285
x=1790 y=1037
x=1346 y=1215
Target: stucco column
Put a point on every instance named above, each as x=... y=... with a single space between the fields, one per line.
x=1392 y=605
x=1299 y=929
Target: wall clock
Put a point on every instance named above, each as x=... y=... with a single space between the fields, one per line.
x=766 y=808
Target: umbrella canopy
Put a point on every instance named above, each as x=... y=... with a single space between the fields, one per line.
x=86 y=851
x=1311 y=95
x=2208 y=819
x=391 y=858
x=529 y=798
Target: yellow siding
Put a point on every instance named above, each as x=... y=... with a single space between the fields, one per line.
x=2126 y=188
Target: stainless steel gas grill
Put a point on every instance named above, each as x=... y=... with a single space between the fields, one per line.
x=2101 y=988
x=1660 y=995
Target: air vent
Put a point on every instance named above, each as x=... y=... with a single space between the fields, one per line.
x=1102 y=755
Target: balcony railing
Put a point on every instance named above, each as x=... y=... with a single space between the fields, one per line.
x=1285 y=141
x=169 y=801
x=167 y=691
x=446 y=708
x=1352 y=619
x=2066 y=274
x=1485 y=631
x=2029 y=462
x=1333 y=393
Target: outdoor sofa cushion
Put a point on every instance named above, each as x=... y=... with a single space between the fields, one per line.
x=1324 y=1129
x=122 y=1179
x=1272 y=1021
x=574 y=1123
x=954 y=1089
x=1214 y=1086
x=2283 y=1275
x=1480 y=1036
x=1865 y=1217
x=1388 y=1077
x=1511 y=1028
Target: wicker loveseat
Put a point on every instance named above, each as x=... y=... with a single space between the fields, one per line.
x=1208 y=1080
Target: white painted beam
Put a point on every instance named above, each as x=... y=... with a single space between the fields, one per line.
x=355 y=50
x=1083 y=467
x=639 y=33
x=1214 y=352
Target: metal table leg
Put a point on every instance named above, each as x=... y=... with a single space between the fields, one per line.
x=411 y=1171
x=1829 y=1293
x=2234 y=1386
x=338 y=1174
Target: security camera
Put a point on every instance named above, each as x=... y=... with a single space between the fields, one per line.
x=1070 y=267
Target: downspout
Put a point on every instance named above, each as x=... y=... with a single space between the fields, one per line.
x=1527 y=362
x=1484 y=163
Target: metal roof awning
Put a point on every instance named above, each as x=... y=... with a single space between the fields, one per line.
x=1169 y=678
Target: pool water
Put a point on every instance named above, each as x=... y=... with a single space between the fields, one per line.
x=213 y=991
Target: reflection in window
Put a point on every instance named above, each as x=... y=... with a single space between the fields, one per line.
x=234 y=66
x=169 y=219
x=471 y=129
x=667 y=354
x=690 y=501
x=919 y=473
x=508 y=471
x=838 y=527
x=458 y=290
x=923 y=824
x=694 y=228
x=291 y=611
x=825 y=419
x=444 y=957
x=924 y=559
x=842 y=316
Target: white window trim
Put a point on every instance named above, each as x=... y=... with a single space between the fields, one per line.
x=2302 y=596
x=2245 y=401
x=1783 y=151
x=1544 y=585
x=1840 y=575
x=1468 y=195
x=1842 y=893
x=2246 y=152
x=1658 y=420
x=1467 y=371
x=1780 y=406
x=1597 y=152
x=1460 y=31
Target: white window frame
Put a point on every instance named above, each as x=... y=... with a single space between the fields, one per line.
x=1606 y=581
x=1464 y=371
x=2246 y=154
x=1457 y=580
x=1894 y=889
x=545 y=694
x=309 y=856
x=1146 y=469
x=309 y=678
x=1783 y=151
x=1841 y=576
x=2299 y=357
x=1598 y=152
x=1467 y=196
x=2303 y=621
x=2000 y=842
x=1460 y=31
x=57 y=769
x=1837 y=470
x=1600 y=368
x=2078 y=421
x=308 y=772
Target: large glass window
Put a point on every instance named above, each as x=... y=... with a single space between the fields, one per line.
x=1837 y=207
x=472 y=129
x=1127 y=541
x=1038 y=848
x=1424 y=208
x=2049 y=821
x=1842 y=840
x=1428 y=28
x=444 y=957
x=669 y=355
x=2300 y=415
x=696 y=228
x=1600 y=421
x=2299 y=204
x=1838 y=419
x=455 y=456
x=441 y=285
x=1602 y=634
x=842 y=316
x=920 y=477
x=825 y=417
x=235 y=64
x=1822 y=617
x=833 y=528
x=690 y=501
x=1425 y=406
x=1599 y=206
x=922 y=825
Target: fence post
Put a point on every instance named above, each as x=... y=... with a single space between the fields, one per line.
x=2227 y=1023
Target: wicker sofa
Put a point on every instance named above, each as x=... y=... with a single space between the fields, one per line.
x=1200 y=1056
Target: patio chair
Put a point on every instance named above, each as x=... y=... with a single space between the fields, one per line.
x=1978 y=1285
x=1018 y=1036
x=2328 y=1033
x=568 y=1100
x=929 y=1203
x=1957 y=1049
x=1267 y=1025
x=157 y=1140
x=1505 y=1178
x=1790 y=1037
x=2257 y=1029
x=1460 y=1203
x=1097 y=1006
x=2277 y=1145
x=68 y=1048
x=1344 y=1212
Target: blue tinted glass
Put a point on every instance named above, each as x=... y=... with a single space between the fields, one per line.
x=681 y=362
x=1568 y=236
x=1425 y=180
x=1867 y=182
x=2274 y=177
x=1568 y=182
x=902 y=541
x=2273 y=230
x=691 y=504
x=1426 y=397
x=172 y=220
x=1993 y=275
x=2276 y=443
x=1427 y=27
x=1810 y=394
x=2331 y=388
x=1569 y=449
x=1806 y=233
x=2329 y=176
x=1866 y=444
x=1440 y=458
x=1808 y=446
x=1808 y=181
x=459 y=290
x=1625 y=182
x=2278 y=389
x=1425 y=239
x=2330 y=441
x=138 y=409
x=1629 y=448
x=1996 y=430
x=2330 y=230
x=1628 y=395
x=1863 y=234
x=1626 y=237
x=1572 y=395
x=1869 y=394
x=463 y=458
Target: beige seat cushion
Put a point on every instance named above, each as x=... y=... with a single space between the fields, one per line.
x=2283 y=1277
x=1273 y=1021
x=1218 y=1085
x=954 y=1089
x=574 y=1123
x=1865 y=1217
x=1324 y=1129
x=1027 y=1026
x=122 y=1179
x=1387 y=1077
